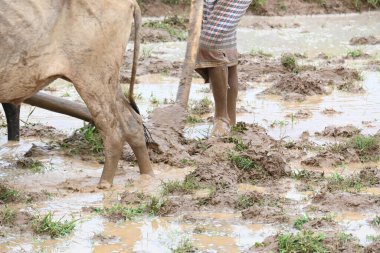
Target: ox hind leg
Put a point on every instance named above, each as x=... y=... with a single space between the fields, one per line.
x=12 y=114
x=117 y=123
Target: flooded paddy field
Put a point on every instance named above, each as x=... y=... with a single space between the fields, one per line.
x=301 y=174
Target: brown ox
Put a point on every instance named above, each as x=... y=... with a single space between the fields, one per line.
x=82 y=41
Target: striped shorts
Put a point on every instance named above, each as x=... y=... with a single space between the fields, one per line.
x=217 y=46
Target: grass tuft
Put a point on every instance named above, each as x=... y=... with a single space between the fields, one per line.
x=300 y=221
x=8 y=195
x=355 y=53
x=290 y=62
x=303 y=242
x=186 y=187
x=7 y=216
x=242 y=162
x=46 y=225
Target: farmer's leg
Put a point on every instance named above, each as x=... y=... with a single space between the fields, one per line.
x=232 y=93
x=219 y=83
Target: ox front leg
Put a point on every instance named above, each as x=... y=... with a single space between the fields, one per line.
x=12 y=114
x=113 y=146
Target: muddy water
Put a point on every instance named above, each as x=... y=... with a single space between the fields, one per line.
x=269 y=111
x=219 y=233
x=73 y=182
x=274 y=112
x=308 y=35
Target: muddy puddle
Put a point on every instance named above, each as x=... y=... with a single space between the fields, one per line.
x=242 y=209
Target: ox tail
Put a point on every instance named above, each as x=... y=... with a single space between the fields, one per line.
x=136 y=53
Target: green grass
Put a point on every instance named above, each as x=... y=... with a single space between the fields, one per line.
x=355 y=53
x=239 y=127
x=31 y=164
x=367 y=147
x=146 y=52
x=300 y=221
x=343 y=238
x=174 y=25
x=150 y=205
x=301 y=174
x=171 y=2
x=359 y=3
x=46 y=225
x=244 y=202
x=374 y=3
x=184 y=246
x=303 y=242
x=376 y=221
x=239 y=143
x=242 y=162
x=205 y=90
x=260 y=53
x=206 y=200
x=187 y=186
x=154 y=101
x=119 y=211
x=364 y=143
x=258 y=5
x=290 y=62
x=7 y=216
x=155 y=205
x=200 y=107
x=193 y=119
x=93 y=138
x=336 y=182
x=8 y=195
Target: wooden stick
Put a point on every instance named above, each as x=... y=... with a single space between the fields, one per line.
x=195 y=26
x=60 y=105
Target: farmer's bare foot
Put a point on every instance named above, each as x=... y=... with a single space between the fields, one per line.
x=221 y=128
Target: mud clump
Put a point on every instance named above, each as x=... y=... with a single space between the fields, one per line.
x=300 y=114
x=264 y=214
x=219 y=175
x=42 y=131
x=330 y=111
x=370 y=175
x=85 y=142
x=359 y=148
x=343 y=131
x=329 y=158
x=309 y=241
x=318 y=81
x=373 y=247
x=370 y=40
x=261 y=207
x=303 y=85
x=345 y=201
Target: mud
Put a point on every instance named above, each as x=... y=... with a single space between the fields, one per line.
x=233 y=192
x=331 y=243
x=267 y=8
x=344 y=131
x=348 y=201
x=315 y=82
x=370 y=40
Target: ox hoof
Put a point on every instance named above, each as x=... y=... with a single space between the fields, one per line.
x=104 y=185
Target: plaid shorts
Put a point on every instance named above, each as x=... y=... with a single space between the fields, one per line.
x=220 y=20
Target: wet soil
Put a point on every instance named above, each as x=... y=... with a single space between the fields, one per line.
x=267 y=8
x=233 y=194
